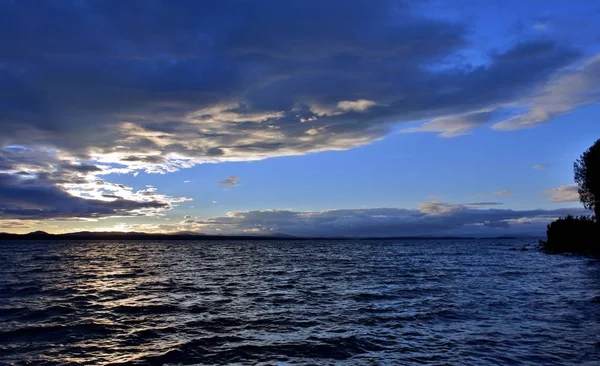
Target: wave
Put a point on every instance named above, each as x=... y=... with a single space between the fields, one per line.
x=309 y=303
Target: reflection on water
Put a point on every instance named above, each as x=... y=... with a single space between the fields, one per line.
x=360 y=302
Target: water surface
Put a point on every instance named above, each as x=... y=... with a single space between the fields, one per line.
x=322 y=302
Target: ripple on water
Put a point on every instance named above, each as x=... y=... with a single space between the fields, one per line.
x=320 y=302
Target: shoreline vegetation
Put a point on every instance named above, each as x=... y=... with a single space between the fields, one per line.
x=577 y=235
x=580 y=234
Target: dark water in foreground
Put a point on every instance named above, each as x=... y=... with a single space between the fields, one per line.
x=360 y=302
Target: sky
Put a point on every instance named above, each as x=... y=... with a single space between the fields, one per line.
x=310 y=118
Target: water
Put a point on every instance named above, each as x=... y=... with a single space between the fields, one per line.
x=314 y=303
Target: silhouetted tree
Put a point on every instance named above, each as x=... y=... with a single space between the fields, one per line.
x=587 y=176
x=570 y=234
x=580 y=234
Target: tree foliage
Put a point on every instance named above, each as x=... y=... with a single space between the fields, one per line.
x=573 y=235
x=580 y=234
x=587 y=176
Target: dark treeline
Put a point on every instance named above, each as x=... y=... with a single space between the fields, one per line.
x=573 y=235
x=580 y=234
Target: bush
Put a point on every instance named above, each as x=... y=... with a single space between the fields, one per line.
x=570 y=234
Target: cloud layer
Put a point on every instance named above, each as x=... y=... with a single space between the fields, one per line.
x=431 y=219
x=38 y=184
x=90 y=88
x=154 y=84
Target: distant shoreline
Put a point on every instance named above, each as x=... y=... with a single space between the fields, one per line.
x=200 y=237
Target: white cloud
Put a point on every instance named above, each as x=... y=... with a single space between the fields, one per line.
x=452 y=126
x=344 y=106
x=49 y=184
x=503 y=193
x=540 y=166
x=565 y=193
x=230 y=113
x=437 y=208
x=309 y=119
x=360 y=105
x=314 y=131
x=187 y=181
x=566 y=91
x=321 y=110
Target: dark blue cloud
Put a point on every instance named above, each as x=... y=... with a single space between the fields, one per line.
x=156 y=85
x=432 y=219
x=74 y=71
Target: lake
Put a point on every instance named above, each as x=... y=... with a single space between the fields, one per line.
x=355 y=302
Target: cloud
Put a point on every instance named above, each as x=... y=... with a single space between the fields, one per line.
x=453 y=126
x=561 y=94
x=344 y=106
x=114 y=88
x=31 y=198
x=40 y=184
x=230 y=181
x=566 y=193
x=17 y=224
x=444 y=219
x=184 y=86
x=187 y=181
x=495 y=193
x=540 y=166
x=555 y=94
x=437 y=208
x=360 y=105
